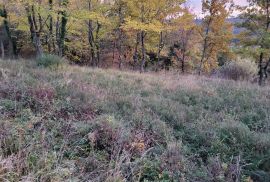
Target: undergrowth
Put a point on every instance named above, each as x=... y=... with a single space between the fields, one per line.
x=82 y=124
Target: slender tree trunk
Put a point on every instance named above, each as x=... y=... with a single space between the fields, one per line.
x=63 y=33
x=120 y=36
x=2 y=50
x=142 y=41
x=12 y=41
x=203 y=55
x=35 y=33
x=261 y=75
x=50 y=36
x=160 y=47
x=265 y=68
x=120 y=59
x=91 y=42
x=136 y=52
x=205 y=45
x=184 y=55
x=183 y=63
x=97 y=43
x=120 y=50
x=57 y=33
x=61 y=28
x=114 y=46
x=143 y=52
x=91 y=39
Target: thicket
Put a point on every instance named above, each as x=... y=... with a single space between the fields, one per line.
x=240 y=70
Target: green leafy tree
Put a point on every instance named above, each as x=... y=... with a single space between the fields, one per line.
x=256 y=36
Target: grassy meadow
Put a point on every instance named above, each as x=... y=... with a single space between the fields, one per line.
x=82 y=124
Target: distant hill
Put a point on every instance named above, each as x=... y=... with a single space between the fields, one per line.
x=234 y=21
x=236 y=30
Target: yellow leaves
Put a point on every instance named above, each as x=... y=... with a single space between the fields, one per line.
x=155 y=15
x=139 y=146
x=87 y=15
x=154 y=26
x=20 y=21
x=23 y=27
x=210 y=65
x=216 y=32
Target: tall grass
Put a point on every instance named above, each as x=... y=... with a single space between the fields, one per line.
x=82 y=124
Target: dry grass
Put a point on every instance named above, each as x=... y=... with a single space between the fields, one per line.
x=80 y=124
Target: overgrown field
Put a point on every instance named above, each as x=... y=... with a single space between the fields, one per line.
x=82 y=124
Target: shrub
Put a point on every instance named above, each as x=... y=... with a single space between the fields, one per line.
x=50 y=61
x=238 y=70
x=235 y=133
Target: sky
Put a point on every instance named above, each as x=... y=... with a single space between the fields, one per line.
x=196 y=5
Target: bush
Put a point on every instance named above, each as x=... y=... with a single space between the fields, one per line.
x=238 y=70
x=50 y=61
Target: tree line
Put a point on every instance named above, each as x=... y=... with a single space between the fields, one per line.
x=137 y=34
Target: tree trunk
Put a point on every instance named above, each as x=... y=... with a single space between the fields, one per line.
x=142 y=41
x=63 y=32
x=2 y=50
x=120 y=50
x=114 y=46
x=91 y=42
x=120 y=59
x=35 y=34
x=143 y=52
x=91 y=39
x=12 y=42
x=57 y=33
x=120 y=36
x=205 y=45
x=38 y=46
x=136 y=53
x=265 y=69
x=160 y=47
x=203 y=55
x=261 y=75
x=97 y=43
x=183 y=63
x=50 y=42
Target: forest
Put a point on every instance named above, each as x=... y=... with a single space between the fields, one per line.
x=138 y=35
x=134 y=91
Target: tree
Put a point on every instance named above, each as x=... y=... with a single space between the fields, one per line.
x=182 y=39
x=120 y=11
x=33 y=16
x=35 y=26
x=62 y=29
x=85 y=31
x=256 y=36
x=182 y=47
x=93 y=15
x=150 y=17
x=6 y=24
x=216 y=32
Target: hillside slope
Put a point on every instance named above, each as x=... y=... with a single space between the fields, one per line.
x=80 y=124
